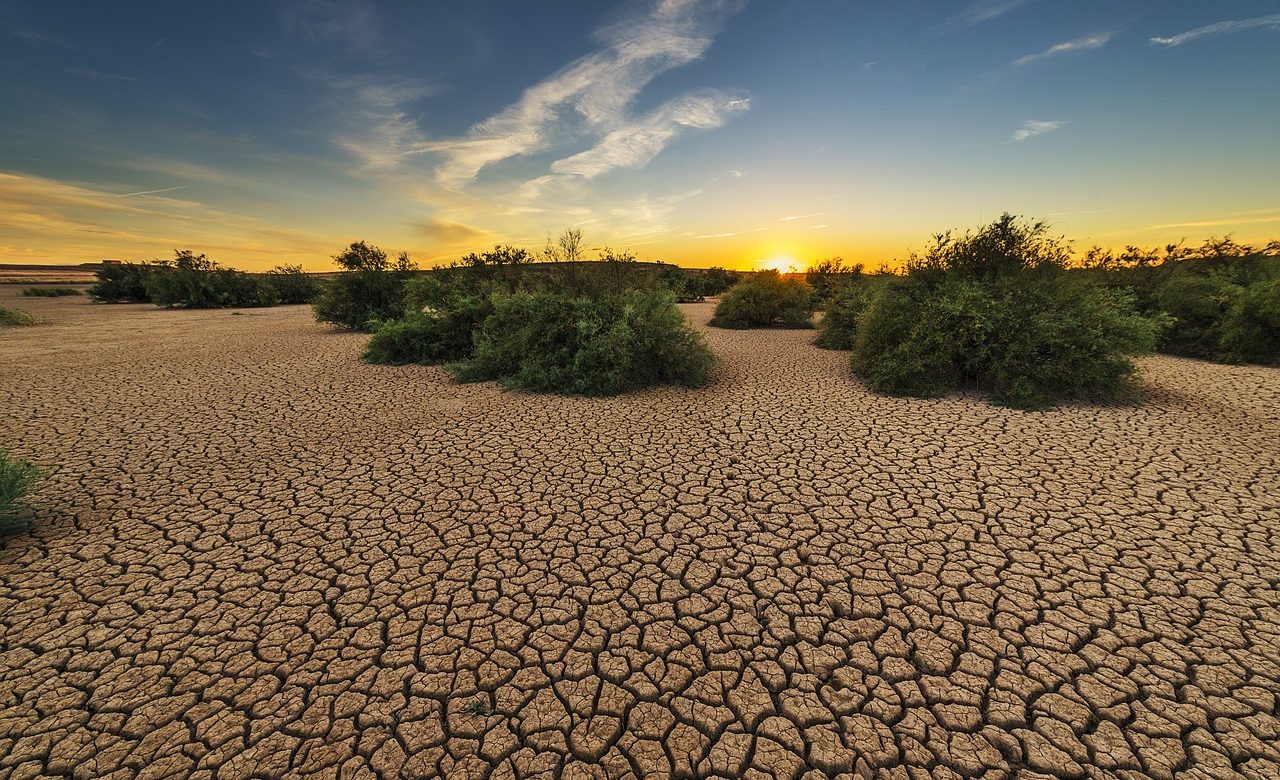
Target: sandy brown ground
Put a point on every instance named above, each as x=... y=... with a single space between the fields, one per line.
x=258 y=557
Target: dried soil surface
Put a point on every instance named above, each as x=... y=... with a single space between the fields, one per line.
x=258 y=557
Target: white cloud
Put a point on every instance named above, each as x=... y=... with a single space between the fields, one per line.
x=1067 y=47
x=801 y=216
x=1032 y=128
x=592 y=96
x=1271 y=22
x=637 y=142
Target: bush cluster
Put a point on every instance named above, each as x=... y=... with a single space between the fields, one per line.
x=17 y=477
x=582 y=327
x=1220 y=296
x=997 y=310
x=193 y=281
x=844 y=305
x=49 y=292
x=370 y=289
x=765 y=299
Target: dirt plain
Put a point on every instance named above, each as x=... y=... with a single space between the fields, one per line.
x=256 y=556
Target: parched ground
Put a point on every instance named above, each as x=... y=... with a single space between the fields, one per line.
x=257 y=557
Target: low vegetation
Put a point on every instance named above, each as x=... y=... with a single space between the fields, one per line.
x=369 y=291
x=49 y=292
x=996 y=309
x=1220 y=295
x=193 y=281
x=15 y=317
x=577 y=327
x=766 y=299
x=17 y=477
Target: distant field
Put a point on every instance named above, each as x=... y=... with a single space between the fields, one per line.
x=11 y=273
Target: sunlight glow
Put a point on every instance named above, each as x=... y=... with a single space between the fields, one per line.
x=781 y=263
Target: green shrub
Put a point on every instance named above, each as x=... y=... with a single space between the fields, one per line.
x=1250 y=330
x=830 y=277
x=994 y=310
x=1198 y=305
x=194 y=281
x=292 y=285
x=550 y=341
x=17 y=477
x=839 y=323
x=370 y=289
x=123 y=282
x=49 y=292
x=15 y=317
x=440 y=335
x=765 y=299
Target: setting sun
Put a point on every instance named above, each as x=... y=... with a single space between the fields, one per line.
x=780 y=263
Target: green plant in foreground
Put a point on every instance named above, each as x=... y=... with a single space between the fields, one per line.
x=17 y=477
x=765 y=299
x=547 y=341
x=49 y=292
x=10 y=317
x=1251 y=329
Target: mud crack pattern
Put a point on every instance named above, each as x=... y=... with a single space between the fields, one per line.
x=258 y=557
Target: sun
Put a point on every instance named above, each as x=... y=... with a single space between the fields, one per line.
x=781 y=263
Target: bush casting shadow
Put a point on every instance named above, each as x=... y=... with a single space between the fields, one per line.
x=766 y=299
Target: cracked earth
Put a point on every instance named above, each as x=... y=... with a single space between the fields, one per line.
x=256 y=556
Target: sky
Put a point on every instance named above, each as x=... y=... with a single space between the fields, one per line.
x=699 y=132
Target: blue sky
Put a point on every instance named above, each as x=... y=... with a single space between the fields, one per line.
x=697 y=132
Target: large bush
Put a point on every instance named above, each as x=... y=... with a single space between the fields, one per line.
x=839 y=323
x=1031 y=341
x=439 y=335
x=371 y=289
x=995 y=310
x=194 y=281
x=17 y=477
x=123 y=282
x=550 y=341
x=1197 y=304
x=765 y=299
x=828 y=278
x=292 y=285
x=1250 y=330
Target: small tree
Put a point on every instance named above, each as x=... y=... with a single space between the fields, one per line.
x=369 y=291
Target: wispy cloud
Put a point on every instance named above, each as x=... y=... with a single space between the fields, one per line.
x=97 y=75
x=981 y=11
x=1067 y=47
x=592 y=96
x=1032 y=128
x=32 y=35
x=1259 y=217
x=718 y=235
x=1271 y=22
x=800 y=216
x=637 y=142
x=153 y=192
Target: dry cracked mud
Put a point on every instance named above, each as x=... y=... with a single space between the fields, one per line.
x=257 y=557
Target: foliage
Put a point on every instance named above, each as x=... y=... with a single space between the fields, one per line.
x=441 y=335
x=1008 y=245
x=551 y=340
x=996 y=309
x=765 y=299
x=1250 y=331
x=1031 y=340
x=13 y=317
x=193 y=281
x=292 y=285
x=123 y=282
x=370 y=290
x=49 y=292
x=17 y=477
x=829 y=277
x=1200 y=288
x=839 y=323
